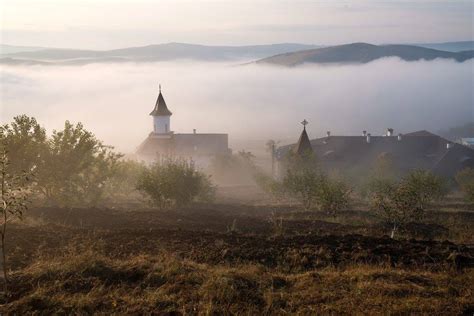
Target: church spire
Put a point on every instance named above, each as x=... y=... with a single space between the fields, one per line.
x=304 y=145
x=160 y=108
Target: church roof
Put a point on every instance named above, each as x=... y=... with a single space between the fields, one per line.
x=417 y=150
x=304 y=145
x=160 y=107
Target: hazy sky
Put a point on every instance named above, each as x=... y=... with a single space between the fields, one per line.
x=104 y=24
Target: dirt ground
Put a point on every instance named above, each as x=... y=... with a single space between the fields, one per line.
x=279 y=239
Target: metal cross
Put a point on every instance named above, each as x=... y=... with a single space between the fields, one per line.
x=304 y=123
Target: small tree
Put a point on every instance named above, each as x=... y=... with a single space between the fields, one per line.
x=406 y=200
x=75 y=167
x=273 y=187
x=233 y=168
x=123 y=180
x=304 y=184
x=465 y=181
x=25 y=142
x=333 y=195
x=13 y=202
x=174 y=182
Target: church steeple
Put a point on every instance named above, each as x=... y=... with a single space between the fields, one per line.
x=303 y=146
x=160 y=107
x=161 y=116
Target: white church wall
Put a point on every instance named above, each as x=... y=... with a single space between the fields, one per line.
x=161 y=124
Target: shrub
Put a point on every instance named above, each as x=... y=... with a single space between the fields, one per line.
x=25 y=143
x=71 y=167
x=233 y=168
x=406 y=200
x=465 y=181
x=271 y=186
x=333 y=195
x=304 y=184
x=174 y=182
x=124 y=178
x=75 y=167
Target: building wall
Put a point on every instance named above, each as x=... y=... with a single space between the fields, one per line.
x=201 y=144
x=161 y=124
x=201 y=148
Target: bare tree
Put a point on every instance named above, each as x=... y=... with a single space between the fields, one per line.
x=14 y=201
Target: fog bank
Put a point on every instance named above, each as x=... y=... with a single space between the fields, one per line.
x=248 y=102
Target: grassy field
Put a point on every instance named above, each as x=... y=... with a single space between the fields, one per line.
x=238 y=257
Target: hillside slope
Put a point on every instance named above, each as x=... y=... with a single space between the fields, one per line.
x=360 y=53
x=160 y=52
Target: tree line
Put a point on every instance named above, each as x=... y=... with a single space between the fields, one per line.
x=397 y=199
x=72 y=168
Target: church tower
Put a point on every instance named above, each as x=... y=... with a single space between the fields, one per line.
x=161 y=116
x=303 y=147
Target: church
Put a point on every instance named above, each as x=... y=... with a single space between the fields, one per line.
x=360 y=153
x=162 y=142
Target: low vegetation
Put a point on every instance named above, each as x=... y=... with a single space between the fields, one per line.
x=89 y=244
x=174 y=182
x=399 y=203
x=465 y=181
x=87 y=282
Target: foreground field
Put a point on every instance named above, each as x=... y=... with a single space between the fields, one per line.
x=238 y=259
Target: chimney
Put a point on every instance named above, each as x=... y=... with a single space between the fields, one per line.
x=389 y=131
x=399 y=137
x=194 y=131
x=364 y=133
x=449 y=145
x=328 y=133
x=368 y=138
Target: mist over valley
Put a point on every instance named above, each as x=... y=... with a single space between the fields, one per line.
x=250 y=103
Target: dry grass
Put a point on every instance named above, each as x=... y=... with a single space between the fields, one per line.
x=84 y=281
x=185 y=261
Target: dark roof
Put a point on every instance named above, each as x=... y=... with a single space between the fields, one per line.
x=421 y=151
x=304 y=145
x=160 y=107
x=421 y=133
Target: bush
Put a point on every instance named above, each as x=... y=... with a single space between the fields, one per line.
x=465 y=181
x=75 y=168
x=25 y=143
x=406 y=200
x=271 y=186
x=71 y=167
x=333 y=195
x=233 y=168
x=174 y=182
x=315 y=189
x=123 y=181
x=304 y=184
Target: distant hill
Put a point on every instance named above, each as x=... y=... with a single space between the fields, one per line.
x=283 y=54
x=360 y=53
x=11 y=49
x=450 y=46
x=162 y=52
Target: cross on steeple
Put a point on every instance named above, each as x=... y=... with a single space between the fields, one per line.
x=304 y=123
x=160 y=87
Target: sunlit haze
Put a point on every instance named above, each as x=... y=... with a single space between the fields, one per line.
x=106 y=24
